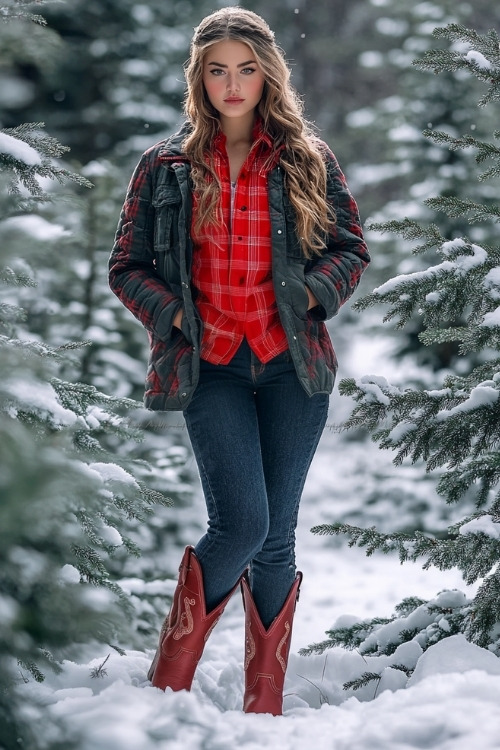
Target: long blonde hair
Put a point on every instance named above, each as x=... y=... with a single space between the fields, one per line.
x=281 y=111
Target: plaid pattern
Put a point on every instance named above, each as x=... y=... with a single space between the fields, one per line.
x=151 y=260
x=231 y=270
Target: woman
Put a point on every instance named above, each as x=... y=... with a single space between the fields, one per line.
x=238 y=238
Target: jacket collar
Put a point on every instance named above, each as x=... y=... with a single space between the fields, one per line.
x=172 y=147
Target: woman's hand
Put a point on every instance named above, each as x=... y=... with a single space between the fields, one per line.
x=313 y=302
x=178 y=318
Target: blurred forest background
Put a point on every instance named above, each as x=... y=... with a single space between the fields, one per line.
x=106 y=79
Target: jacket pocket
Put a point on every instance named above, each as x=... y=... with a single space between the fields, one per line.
x=167 y=203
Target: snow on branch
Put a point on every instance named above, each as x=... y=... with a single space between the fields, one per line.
x=19 y=150
x=27 y=152
x=482 y=59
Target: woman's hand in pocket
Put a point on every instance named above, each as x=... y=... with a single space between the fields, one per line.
x=313 y=302
x=178 y=318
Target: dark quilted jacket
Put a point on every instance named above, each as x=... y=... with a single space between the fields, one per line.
x=150 y=272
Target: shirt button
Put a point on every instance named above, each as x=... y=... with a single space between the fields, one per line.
x=239 y=239
x=283 y=283
x=243 y=208
x=279 y=231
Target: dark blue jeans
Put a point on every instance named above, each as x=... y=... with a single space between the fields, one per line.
x=254 y=432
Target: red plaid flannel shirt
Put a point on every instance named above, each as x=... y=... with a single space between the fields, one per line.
x=231 y=269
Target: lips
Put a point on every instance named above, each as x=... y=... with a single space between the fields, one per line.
x=233 y=100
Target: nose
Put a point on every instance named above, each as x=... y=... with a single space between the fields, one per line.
x=232 y=84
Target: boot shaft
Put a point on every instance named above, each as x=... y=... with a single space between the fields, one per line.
x=266 y=652
x=186 y=628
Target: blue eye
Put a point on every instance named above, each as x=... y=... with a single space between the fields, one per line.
x=247 y=71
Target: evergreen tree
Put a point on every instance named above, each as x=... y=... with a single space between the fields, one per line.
x=406 y=167
x=67 y=500
x=453 y=427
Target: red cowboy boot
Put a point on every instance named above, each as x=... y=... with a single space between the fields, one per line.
x=185 y=630
x=266 y=653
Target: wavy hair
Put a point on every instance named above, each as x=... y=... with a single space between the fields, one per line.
x=281 y=111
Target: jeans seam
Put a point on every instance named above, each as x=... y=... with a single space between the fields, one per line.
x=206 y=474
x=310 y=455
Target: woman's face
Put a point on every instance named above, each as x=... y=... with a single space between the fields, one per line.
x=233 y=80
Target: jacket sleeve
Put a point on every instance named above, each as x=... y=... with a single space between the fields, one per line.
x=333 y=276
x=132 y=272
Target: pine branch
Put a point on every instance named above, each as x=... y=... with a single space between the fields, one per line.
x=455 y=208
x=360 y=682
x=33 y=669
x=402 y=668
x=411 y=230
x=349 y=637
x=373 y=540
x=433 y=336
x=17 y=276
x=409 y=605
x=20 y=11
x=486 y=611
x=100 y=670
x=468 y=552
x=34 y=160
x=482 y=60
x=153 y=497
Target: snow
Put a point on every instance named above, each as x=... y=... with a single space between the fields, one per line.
x=405 y=133
x=478 y=59
x=454 y=655
x=9 y=610
x=110 y=472
x=139 y=68
x=96 y=169
x=491 y=319
x=467 y=262
x=142 y=14
x=422 y=619
x=69 y=574
x=400 y=431
x=461 y=265
x=37 y=227
x=483 y=394
x=391 y=26
x=482 y=525
x=433 y=297
x=371 y=59
x=451 y=245
x=19 y=150
x=491 y=282
x=372 y=386
x=42 y=399
x=451 y=703
x=111 y=535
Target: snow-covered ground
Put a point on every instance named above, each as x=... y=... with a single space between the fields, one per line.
x=450 y=703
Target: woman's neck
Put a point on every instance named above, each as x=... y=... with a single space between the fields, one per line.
x=238 y=131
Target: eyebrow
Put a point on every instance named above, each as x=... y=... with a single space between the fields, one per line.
x=240 y=65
